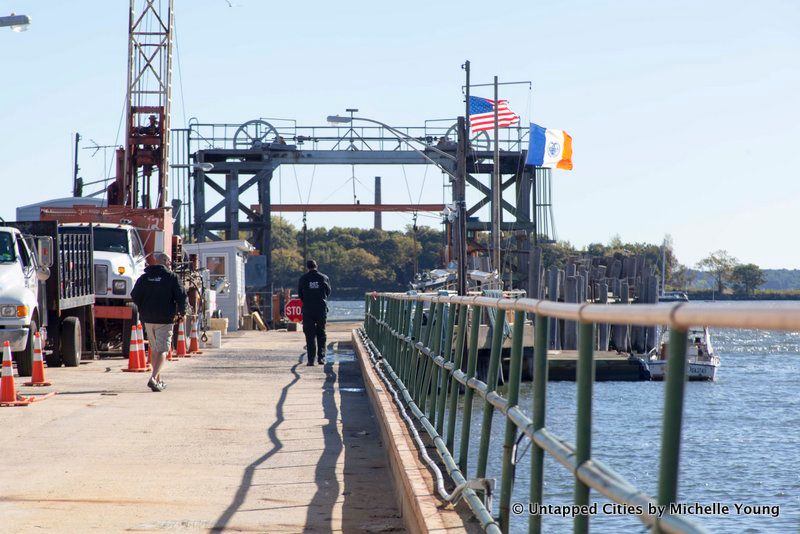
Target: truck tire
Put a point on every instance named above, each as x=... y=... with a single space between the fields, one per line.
x=71 y=342
x=24 y=358
x=126 y=329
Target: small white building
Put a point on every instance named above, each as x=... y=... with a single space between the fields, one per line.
x=225 y=263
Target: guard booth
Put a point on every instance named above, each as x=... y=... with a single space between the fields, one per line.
x=225 y=261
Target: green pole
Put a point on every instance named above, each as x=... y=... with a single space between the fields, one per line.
x=424 y=369
x=426 y=395
x=411 y=364
x=514 y=377
x=454 y=384
x=673 y=415
x=583 y=437
x=447 y=353
x=491 y=385
x=540 y=331
x=472 y=364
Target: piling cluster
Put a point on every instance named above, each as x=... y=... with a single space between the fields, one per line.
x=617 y=279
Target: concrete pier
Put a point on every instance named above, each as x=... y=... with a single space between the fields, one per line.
x=245 y=438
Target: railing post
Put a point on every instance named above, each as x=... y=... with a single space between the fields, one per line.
x=402 y=359
x=491 y=385
x=540 y=343
x=472 y=364
x=426 y=391
x=455 y=386
x=440 y=384
x=675 y=380
x=583 y=433
x=514 y=377
x=422 y=365
x=395 y=327
x=411 y=358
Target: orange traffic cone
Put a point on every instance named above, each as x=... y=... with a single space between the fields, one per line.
x=180 y=346
x=134 y=362
x=38 y=364
x=8 y=393
x=194 y=343
x=140 y=346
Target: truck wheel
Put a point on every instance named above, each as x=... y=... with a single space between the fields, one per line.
x=126 y=329
x=71 y=342
x=24 y=358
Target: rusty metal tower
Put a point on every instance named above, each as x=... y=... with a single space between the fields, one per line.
x=143 y=165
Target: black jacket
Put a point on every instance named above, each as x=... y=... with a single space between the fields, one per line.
x=314 y=289
x=159 y=295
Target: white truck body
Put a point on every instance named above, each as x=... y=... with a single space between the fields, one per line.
x=19 y=287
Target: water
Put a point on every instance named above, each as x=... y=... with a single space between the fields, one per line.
x=345 y=310
x=741 y=438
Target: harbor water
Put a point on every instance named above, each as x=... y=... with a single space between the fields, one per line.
x=741 y=439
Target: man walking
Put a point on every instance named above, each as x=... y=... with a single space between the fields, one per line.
x=314 y=289
x=161 y=299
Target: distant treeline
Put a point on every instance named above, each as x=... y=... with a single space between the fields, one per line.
x=359 y=260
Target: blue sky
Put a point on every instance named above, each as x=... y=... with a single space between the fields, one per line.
x=684 y=115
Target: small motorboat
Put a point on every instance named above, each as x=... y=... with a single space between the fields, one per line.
x=700 y=357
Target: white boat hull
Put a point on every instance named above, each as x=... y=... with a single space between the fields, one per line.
x=695 y=371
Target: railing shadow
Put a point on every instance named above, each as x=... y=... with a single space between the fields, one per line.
x=247 y=478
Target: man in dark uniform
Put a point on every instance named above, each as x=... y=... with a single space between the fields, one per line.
x=314 y=289
x=161 y=299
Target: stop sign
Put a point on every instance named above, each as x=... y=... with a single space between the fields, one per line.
x=294 y=310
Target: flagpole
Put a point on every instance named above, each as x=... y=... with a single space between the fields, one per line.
x=466 y=115
x=496 y=212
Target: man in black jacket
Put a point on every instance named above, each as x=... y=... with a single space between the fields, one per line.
x=314 y=289
x=161 y=299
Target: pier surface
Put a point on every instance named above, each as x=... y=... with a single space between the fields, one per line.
x=245 y=438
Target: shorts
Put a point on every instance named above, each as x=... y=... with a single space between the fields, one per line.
x=159 y=336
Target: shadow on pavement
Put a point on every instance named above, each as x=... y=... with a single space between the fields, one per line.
x=222 y=522
x=322 y=504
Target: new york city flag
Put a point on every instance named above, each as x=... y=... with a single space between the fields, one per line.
x=549 y=148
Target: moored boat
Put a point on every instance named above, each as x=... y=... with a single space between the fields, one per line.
x=701 y=361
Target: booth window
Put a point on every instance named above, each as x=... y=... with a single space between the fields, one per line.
x=216 y=271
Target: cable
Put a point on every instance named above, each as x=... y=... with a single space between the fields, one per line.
x=180 y=73
x=376 y=364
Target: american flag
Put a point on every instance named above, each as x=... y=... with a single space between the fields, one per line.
x=481 y=114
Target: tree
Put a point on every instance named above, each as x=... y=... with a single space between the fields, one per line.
x=287 y=266
x=681 y=277
x=720 y=264
x=746 y=278
x=283 y=234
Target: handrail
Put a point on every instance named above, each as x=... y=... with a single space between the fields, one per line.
x=428 y=364
x=778 y=316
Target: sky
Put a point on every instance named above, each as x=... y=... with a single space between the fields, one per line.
x=684 y=115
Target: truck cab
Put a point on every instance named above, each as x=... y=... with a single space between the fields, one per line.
x=20 y=270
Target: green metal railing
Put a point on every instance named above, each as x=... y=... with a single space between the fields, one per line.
x=426 y=364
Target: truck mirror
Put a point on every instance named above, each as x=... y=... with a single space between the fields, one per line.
x=44 y=251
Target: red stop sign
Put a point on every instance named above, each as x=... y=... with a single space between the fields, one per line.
x=294 y=310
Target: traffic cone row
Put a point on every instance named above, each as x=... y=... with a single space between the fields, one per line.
x=38 y=364
x=136 y=359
